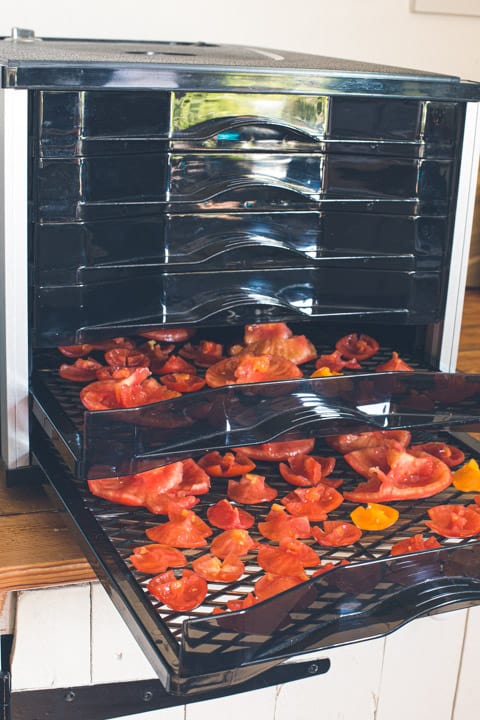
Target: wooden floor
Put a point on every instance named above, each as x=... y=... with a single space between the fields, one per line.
x=469 y=352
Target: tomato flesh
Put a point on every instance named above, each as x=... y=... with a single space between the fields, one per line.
x=336 y=533
x=360 y=347
x=457 y=521
x=395 y=364
x=279 y=525
x=226 y=516
x=156 y=558
x=228 y=465
x=250 y=490
x=232 y=542
x=180 y=593
x=305 y=470
x=213 y=569
x=278 y=450
x=314 y=502
x=416 y=543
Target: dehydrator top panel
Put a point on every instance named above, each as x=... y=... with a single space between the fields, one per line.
x=30 y=62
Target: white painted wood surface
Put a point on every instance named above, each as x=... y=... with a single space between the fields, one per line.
x=427 y=669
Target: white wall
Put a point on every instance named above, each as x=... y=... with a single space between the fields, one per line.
x=383 y=31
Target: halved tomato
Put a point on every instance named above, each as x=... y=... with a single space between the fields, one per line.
x=334 y=362
x=180 y=593
x=416 y=543
x=449 y=454
x=278 y=450
x=182 y=382
x=82 y=370
x=248 y=368
x=226 y=516
x=291 y=557
x=250 y=490
x=314 y=502
x=407 y=478
x=232 y=542
x=169 y=335
x=229 y=465
x=395 y=364
x=279 y=525
x=156 y=558
x=213 y=569
x=456 y=521
x=356 y=346
x=270 y=584
x=358 y=441
x=305 y=470
x=204 y=354
x=336 y=533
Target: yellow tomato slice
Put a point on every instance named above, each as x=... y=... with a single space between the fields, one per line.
x=324 y=372
x=374 y=516
x=467 y=478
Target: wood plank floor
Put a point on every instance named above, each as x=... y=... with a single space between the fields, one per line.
x=469 y=351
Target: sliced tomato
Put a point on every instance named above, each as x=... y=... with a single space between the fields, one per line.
x=408 y=478
x=250 y=490
x=456 y=521
x=270 y=584
x=182 y=382
x=180 y=593
x=126 y=357
x=107 y=372
x=363 y=461
x=82 y=370
x=204 y=354
x=467 y=478
x=305 y=470
x=194 y=480
x=245 y=602
x=334 y=362
x=291 y=557
x=248 y=368
x=264 y=331
x=336 y=533
x=374 y=516
x=109 y=343
x=279 y=525
x=357 y=441
x=323 y=371
x=156 y=558
x=169 y=335
x=184 y=529
x=175 y=364
x=360 y=347
x=125 y=490
x=213 y=569
x=75 y=351
x=226 y=516
x=139 y=389
x=298 y=349
x=99 y=395
x=228 y=465
x=314 y=503
x=232 y=542
x=395 y=364
x=449 y=454
x=278 y=450
x=416 y=543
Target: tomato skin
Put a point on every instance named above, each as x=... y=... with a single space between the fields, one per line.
x=226 y=516
x=336 y=533
x=230 y=465
x=169 y=335
x=182 y=382
x=458 y=521
x=374 y=516
x=449 y=454
x=395 y=364
x=360 y=347
x=279 y=525
x=305 y=470
x=289 y=558
x=270 y=584
x=278 y=450
x=82 y=370
x=358 y=441
x=250 y=490
x=416 y=543
x=314 y=503
x=335 y=363
x=179 y=593
x=232 y=542
x=156 y=558
x=248 y=368
x=212 y=569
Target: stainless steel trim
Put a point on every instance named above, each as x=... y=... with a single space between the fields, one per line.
x=445 y=337
x=14 y=413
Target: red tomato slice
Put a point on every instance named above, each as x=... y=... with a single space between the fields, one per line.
x=232 y=542
x=179 y=593
x=449 y=454
x=182 y=382
x=305 y=470
x=82 y=370
x=314 y=503
x=250 y=490
x=204 y=354
x=336 y=533
x=99 y=395
x=247 y=368
x=336 y=363
x=356 y=346
x=126 y=490
x=175 y=364
x=129 y=391
x=213 y=569
x=230 y=465
x=416 y=543
x=75 y=351
x=226 y=516
x=363 y=461
x=278 y=450
x=290 y=558
x=156 y=558
x=263 y=331
x=408 y=478
x=194 y=480
x=269 y=584
x=455 y=521
x=126 y=357
x=395 y=364
x=298 y=349
x=169 y=335
x=278 y=525
x=242 y=604
x=384 y=438
x=184 y=529
x=107 y=372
